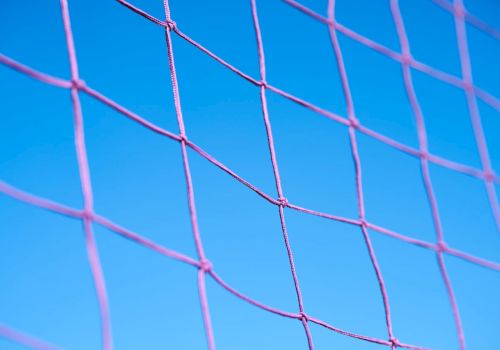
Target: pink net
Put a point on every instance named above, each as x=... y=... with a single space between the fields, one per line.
x=88 y=216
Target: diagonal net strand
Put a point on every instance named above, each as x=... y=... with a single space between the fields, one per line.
x=495 y=266
x=424 y=164
x=486 y=174
x=466 y=84
x=436 y=73
x=452 y=165
x=204 y=266
x=489 y=176
x=471 y=19
x=63 y=210
x=24 y=339
x=433 y=72
x=83 y=165
x=146 y=243
x=36 y=201
x=151 y=126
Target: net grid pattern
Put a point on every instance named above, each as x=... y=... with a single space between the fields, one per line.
x=88 y=216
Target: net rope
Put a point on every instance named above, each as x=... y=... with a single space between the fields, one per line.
x=89 y=217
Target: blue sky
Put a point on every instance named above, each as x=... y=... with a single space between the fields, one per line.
x=138 y=180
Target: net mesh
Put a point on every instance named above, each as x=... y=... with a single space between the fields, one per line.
x=88 y=216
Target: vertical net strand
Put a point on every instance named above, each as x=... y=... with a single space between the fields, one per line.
x=272 y=152
x=84 y=171
x=424 y=164
x=205 y=266
x=354 y=123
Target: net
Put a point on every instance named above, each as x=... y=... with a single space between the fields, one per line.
x=88 y=216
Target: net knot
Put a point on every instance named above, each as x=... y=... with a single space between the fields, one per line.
x=394 y=341
x=183 y=138
x=363 y=222
x=282 y=201
x=424 y=155
x=354 y=122
x=77 y=84
x=87 y=215
x=459 y=11
x=406 y=59
x=205 y=265
x=468 y=87
x=442 y=247
x=489 y=176
x=303 y=316
x=264 y=84
x=170 y=25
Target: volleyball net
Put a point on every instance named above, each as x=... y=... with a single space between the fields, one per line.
x=77 y=86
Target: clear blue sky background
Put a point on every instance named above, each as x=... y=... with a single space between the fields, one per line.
x=45 y=284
